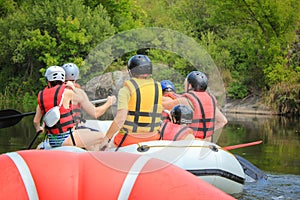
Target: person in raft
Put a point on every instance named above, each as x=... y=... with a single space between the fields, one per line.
x=206 y=116
x=81 y=100
x=181 y=116
x=59 y=123
x=139 y=106
x=169 y=93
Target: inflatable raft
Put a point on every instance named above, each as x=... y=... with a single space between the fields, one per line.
x=205 y=160
x=56 y=174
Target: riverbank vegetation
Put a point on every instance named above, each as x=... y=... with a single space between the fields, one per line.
x=255 y=44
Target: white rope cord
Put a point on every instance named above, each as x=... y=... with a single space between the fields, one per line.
x=25 y=174
x=132 y=176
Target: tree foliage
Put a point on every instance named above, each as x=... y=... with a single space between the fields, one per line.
x=254 y=43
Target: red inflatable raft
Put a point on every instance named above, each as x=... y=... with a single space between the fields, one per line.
x=35 y=174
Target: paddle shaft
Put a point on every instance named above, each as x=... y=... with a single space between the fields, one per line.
x=34 y=139
x=242 y=145
x=98 y=101
x=17 y=115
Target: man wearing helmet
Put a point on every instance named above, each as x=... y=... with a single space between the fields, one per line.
x=139 y=106
x=80 y=98
x=207 y=117
x=181 y=116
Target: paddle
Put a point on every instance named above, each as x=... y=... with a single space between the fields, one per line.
x=242 y=145
x=34 y=139
x=11 y=117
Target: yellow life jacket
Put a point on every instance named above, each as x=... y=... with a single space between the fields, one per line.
x=144 y=106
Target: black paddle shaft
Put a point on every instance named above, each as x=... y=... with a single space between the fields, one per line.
x=11 y=117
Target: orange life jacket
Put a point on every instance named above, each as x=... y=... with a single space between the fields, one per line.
x=50 y=97
x=204 y=113
x=123 y=139
x=172 y=95
x=171 y=131
x=164 y=115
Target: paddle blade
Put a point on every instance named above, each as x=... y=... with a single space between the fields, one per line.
x=251 y=170
x=9 y=118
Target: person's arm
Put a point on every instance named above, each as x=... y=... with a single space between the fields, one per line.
x=119 y=120
x=100 y=110
x=81 y=97
x=37 y=119
x=221 y=120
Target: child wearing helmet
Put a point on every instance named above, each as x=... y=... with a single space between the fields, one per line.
x=181 y=116
x=206 y=116
x=169 y=94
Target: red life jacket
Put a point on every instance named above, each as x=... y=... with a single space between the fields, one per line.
x=170 y=131
x=50 y=97
x=204 y=113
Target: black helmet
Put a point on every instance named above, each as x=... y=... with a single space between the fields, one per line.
x=198 y=80
x=182 y=114
x=139 y=64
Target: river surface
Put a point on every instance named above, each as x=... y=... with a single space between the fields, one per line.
x=278 y=155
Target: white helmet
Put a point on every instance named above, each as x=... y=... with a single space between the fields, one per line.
x=55 y=73
x=72 y=71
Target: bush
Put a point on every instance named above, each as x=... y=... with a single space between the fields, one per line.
x=283 y=98
x=237 y=91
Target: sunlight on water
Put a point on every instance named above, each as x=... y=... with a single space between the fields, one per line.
x=278 y=186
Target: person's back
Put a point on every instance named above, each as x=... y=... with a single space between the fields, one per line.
x=207 y=117
x=55 y=94
x=177 y=128
x=144 y=101
x=139 y=106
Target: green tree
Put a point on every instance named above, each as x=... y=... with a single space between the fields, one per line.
x=44 y=33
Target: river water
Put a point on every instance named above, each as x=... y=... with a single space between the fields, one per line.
x=278 y=156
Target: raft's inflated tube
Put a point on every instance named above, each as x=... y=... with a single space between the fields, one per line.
x=36 y=174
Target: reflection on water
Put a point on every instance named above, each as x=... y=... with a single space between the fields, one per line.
x=278 y=155
x=279 y=152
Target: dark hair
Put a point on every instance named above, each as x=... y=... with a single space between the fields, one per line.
x=54 y=83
